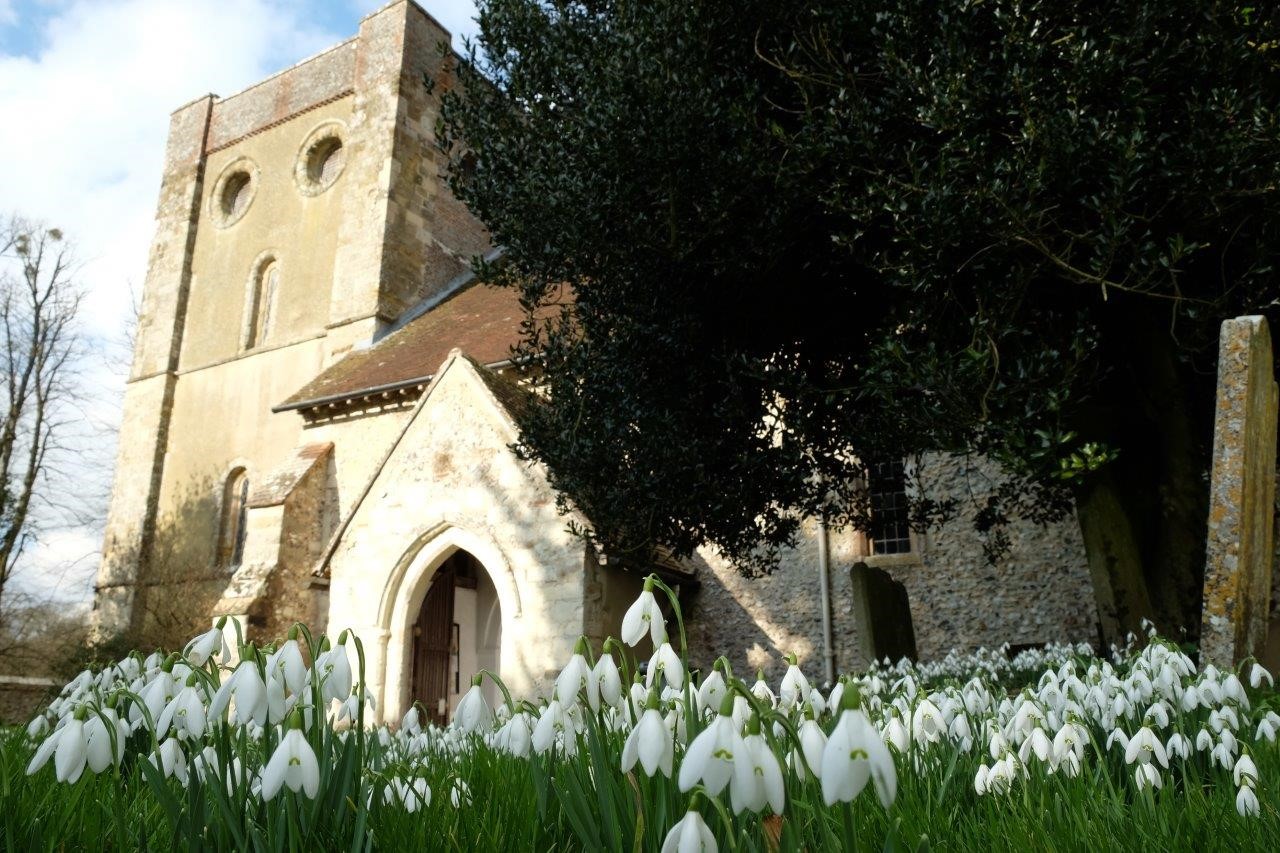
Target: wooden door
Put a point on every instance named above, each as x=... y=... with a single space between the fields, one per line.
x=432 y=641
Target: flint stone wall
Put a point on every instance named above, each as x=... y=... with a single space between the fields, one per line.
x=1039 y=593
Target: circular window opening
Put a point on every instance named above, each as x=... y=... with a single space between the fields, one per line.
x=321 y=158
x=235 y=195
x=325 y=161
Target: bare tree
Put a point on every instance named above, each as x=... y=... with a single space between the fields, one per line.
x=39 y=304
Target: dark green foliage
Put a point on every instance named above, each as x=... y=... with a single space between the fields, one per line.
x=885 y=228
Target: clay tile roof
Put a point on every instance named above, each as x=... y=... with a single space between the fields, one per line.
x=483 y=322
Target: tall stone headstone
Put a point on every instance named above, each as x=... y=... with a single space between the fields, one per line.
x=882 y=615
x=1239 y=553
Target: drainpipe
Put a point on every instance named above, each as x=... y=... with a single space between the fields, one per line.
x=824 y=599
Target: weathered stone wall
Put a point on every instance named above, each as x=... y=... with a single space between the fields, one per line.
x=1039 y=593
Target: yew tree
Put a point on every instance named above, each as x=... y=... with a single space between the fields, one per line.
x=764 y=242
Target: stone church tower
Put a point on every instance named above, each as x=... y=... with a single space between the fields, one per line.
x=319 y=419
x=297 y=219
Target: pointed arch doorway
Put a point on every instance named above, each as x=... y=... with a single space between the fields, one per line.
x=457 y=633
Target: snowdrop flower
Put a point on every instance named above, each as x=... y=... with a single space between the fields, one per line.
x=293 y=764
x=762 y=691
x=1245 y=772
x=927 y=724
x=104 y=737
x=1204 y=741
x=853 y=753
x=1223 y=755
x=1266 y=731
x=812 y=743
x=710 y=758
x=1247 y=802
x=896 y=733
x=1178 y=745
x=690 y=835
x=474 y=713
x=410 y=723
x=39 y=726
x=334 y=669
x=516 y=736
x=576 y=677
x=712 y=691
x=980 y=779
x=1039 y=744
x=757 y=775
x=608 y=682
x=666 y=661
x=210 y=643
x=1147 y=776
x=553 y=721
x=246 y=687
x=71 y=757
x=1144 y=746
x=644 y=617
x=460 y=794
x=185 y=712
x=650 y=742
x=286 y=665
x=795 y=687
x=410 y=795
x=1257 y=674
x=170 y=760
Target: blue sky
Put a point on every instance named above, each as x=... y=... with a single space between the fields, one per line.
x=86 y=88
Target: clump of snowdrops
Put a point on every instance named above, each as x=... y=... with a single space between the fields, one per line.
x=274 y=749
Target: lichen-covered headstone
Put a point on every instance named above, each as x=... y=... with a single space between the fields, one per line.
x=1238 y=557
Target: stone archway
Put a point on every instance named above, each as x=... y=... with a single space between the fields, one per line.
x=457 y=633
x=473 y=588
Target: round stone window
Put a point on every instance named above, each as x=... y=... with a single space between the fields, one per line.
x=234 y=191
x=321 y=158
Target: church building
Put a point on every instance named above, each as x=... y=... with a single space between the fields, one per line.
x=320 y=412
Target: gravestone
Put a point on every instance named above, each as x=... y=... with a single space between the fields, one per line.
x=1239 y=553
x=882 y=614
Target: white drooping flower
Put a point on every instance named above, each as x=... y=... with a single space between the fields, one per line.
x=185 y=712
x=668 y=663
x=651 y=743
x=210 y=643
x=927 y=725
x=39 y=726
x=246 y=687
x=1147 y=776
x=1257 y=674
x=1245 y=772
x=334 y=669
x=292 y=765
x=573 y=679
x=710 y=758
x=410 y=795
x=608 y=681
x=757 y=776
x=795 y=686
x=170 y=760
x=474 y=713
x=411 y=723
x=1144 y=747
x=644 y=617
x=71 y=757
x=854 y=753
x=287 y=666
x=516 y=736
x=711 y=691
x=1247 y=802
x=459 y=794
x=104 y=737
x=812 y=743
x=690 y=835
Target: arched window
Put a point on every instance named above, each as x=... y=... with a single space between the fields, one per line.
x=263 y=292
x=235 y=507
